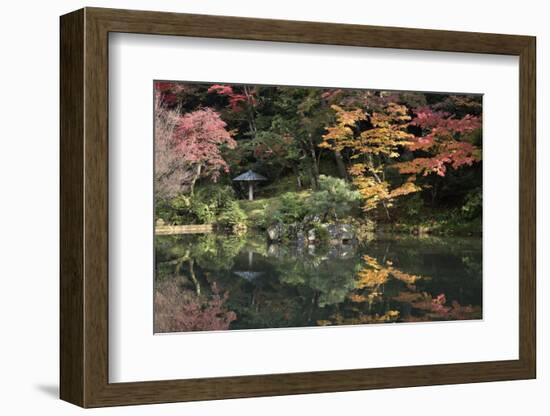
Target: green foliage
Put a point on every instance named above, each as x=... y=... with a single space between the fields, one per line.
x=275 y=149
x=215 y=195
x=175 y=210
x=293 y=207
x=321 y=233
x=462 y=216
x=473 y=204
x=256 y=212
x=210 y=204
x=282 y=185
x=413 y=205
x=335 y=198
x=204 y=212
x=216 y=252
x=331 y=279
x=231 y=215
x=440 y=223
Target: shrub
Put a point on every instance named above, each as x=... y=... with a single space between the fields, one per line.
x=175 y=210
x=218 y=196
x=231 y=215
x=204 y=213
x=321 y=233
x=413 y=205
x=473 y=205
x=204 y=207
x=335 y=198
x=292 y=207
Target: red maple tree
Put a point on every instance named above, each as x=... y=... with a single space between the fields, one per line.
x=441 y=142
x=199 y=139
x=236 y=100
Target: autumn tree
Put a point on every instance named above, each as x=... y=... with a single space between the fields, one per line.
x=373 y=139
x=172 y=175
x=445 y=142
x=198 y=140
x=240 y=100
x=442 y=143
x=176 y=95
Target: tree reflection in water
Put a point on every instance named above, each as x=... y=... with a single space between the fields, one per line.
x=217 y=282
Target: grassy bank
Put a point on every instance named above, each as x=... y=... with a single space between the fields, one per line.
x=259 y=212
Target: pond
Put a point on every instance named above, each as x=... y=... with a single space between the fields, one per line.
x=212 y=282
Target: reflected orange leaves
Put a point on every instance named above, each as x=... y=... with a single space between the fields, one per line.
x=375 y=274
x=362 y=298
x=338 y=319
x=408 y=305
x=369 y=278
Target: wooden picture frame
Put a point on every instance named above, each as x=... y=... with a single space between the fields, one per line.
x=84 y=207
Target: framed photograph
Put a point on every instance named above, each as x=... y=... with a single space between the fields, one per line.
x=255 y=207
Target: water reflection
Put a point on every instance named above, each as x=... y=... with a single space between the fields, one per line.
x=217 y=282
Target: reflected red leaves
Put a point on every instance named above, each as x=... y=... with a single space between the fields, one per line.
x=180 y=310
x=428 y=308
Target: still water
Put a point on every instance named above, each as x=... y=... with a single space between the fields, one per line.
x=217 y=282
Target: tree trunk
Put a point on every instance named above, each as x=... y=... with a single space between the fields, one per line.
x=340 y=164
x=298 y=178
x=193 y=277
x=314 y=181
x=375 y=175
x=195 y=177
x=315 y=165
x=250 y=111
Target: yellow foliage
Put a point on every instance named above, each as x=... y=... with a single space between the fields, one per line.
x=371 y=148
x=371 y=278
x=341 y=135
x=404 y=277
x=405 y=189
x=372 y=191
x=372 y=262
x=374 y=274
x=390 y=316
x=354 y=297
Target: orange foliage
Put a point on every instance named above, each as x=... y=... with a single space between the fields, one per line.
x=370 y=148
x=338 y=319
x=375 y=274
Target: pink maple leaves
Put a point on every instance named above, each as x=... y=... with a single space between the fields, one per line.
x=183 y=310
x=167 y=92
x=438 y=308
x=199 y=138
x=441 y=136
x=235 y=99
x=440 y=125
